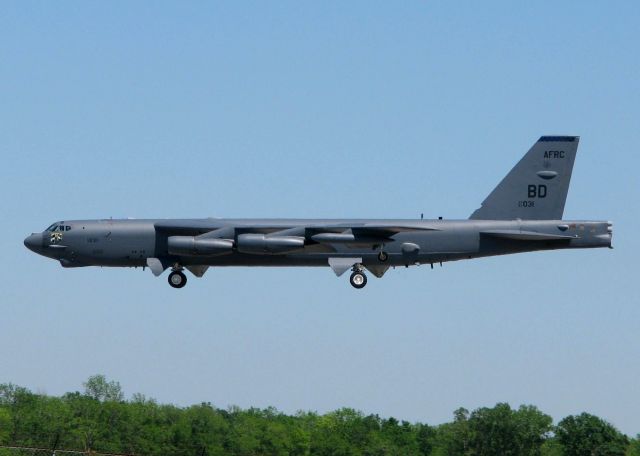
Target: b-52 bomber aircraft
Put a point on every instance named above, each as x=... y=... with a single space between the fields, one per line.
x=522 y=214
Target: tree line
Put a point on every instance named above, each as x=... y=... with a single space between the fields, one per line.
x=100 y=419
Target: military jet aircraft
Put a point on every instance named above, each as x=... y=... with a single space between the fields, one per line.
x=522 y=214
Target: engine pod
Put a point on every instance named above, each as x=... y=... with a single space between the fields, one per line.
x=259 y=244
x=189 y=245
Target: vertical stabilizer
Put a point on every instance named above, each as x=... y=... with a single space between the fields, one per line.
x=536 y=188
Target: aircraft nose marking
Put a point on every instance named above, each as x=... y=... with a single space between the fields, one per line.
x=34 y=242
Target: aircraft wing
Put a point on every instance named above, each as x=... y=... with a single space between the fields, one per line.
x=359 y=229
x=188 y=227
x=358 y=234
x=282 y=238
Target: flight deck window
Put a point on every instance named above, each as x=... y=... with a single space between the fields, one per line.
x=51 y=227
x=67 y=228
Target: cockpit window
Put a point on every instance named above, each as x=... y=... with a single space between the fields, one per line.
x=58 y=227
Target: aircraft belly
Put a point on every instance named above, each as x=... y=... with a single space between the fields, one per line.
x=257 y=260
x=446 y=244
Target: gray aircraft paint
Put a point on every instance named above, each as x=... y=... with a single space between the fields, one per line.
x=522 y=214
x=546 y=170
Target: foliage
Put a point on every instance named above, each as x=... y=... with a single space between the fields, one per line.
x=501 y=430
x=100 y=389
x=101 y=420
x=586 y=434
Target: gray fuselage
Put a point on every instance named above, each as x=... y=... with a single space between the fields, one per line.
x=132 y=242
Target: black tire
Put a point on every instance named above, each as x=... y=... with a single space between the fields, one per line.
x=383 y=256
x=177 y=279
x=358 y=280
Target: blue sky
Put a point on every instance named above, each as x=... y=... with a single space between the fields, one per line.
x=321 y=109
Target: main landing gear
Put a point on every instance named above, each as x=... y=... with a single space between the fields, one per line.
x=177 y=279
x=358 y=279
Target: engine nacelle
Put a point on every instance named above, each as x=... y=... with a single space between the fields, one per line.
x=259 y=244
x=192 y=246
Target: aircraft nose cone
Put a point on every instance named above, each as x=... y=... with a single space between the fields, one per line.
x=34 y=242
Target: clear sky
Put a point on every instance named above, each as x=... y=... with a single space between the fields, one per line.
x=321 y=109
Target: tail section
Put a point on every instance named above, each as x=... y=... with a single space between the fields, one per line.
x=536 y=188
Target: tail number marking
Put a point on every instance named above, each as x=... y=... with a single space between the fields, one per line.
x=533 y=191
x=537 y=191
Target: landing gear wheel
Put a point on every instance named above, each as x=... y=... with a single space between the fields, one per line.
x=383 y=256
x=358 y=279
x=177 y=279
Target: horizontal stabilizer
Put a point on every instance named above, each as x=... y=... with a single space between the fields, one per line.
x=526 y=235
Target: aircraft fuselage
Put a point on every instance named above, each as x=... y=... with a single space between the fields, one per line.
x=133 y=242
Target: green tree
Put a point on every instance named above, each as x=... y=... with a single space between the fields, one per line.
x=101 y=420
x=5 y=426
x=589 y=435
x=502 y=430
x=634 y=447
x=551 y=447
x=490 y=431
x=452 y=439
x=99 y=389
x=426 y=439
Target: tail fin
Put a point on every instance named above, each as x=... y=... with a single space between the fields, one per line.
x=536 y=188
